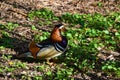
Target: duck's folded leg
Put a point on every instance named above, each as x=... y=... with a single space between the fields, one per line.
x=51 y=64
x=48 y=62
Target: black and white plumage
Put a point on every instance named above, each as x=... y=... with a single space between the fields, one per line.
x=49 y=48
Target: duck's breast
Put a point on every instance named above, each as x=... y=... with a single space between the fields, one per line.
x=61 y=46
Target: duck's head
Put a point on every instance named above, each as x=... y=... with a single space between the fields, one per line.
x=56 y=35
x=59 y=26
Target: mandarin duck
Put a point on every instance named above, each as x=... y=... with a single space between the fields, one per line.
x=52 y=47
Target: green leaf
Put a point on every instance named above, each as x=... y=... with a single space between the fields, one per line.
x=117 y=34
x=33 y=27
x=69 y=35
x=106 y=31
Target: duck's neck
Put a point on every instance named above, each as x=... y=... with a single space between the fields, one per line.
x=56 y=35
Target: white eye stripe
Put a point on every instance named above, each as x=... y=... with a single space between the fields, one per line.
x=61 y=27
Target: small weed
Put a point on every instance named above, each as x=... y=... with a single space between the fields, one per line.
x=33 y=27
x=5 y=34
x=44 y=36
x=19 y=64
x=46 y=16
x=100 y=4
x=6 y=41
x=111 y=66
x=6 y=57
x=2 y=47
x=11 y=26
x=9 y=69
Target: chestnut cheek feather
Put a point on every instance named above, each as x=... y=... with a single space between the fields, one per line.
x=56 y=35
x=56 y=38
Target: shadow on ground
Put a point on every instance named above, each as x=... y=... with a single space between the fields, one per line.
x=17 y=47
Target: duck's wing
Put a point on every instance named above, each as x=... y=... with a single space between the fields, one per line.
x=44 y=43
x=46 y=49
x=54 y=49
x=48 y=52
x=34 y=48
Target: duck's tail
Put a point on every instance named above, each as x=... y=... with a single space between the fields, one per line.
x=27 y=54
x=34 y=49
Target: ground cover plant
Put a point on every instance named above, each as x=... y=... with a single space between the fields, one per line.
x=93 y=52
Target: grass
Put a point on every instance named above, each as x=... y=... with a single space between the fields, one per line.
x=96 y=31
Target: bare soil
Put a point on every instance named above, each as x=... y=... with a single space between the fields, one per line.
x=16 y=11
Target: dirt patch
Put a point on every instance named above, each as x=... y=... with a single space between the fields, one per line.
x=16 y=11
